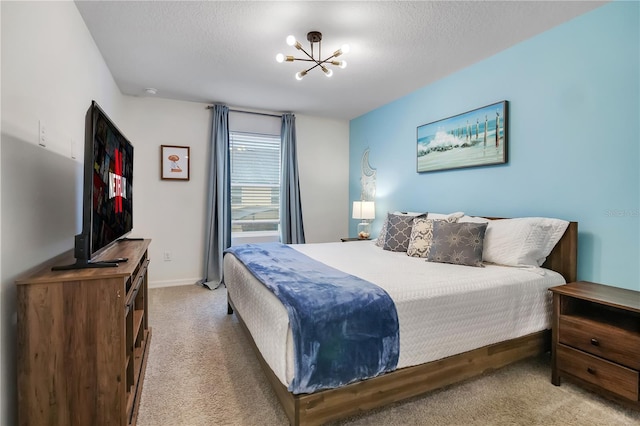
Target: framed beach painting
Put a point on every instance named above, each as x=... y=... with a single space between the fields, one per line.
x=474 y=138
x=174 y=162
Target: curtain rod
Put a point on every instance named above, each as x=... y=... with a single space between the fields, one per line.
x=250 y=112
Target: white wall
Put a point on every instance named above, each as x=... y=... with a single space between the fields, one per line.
x=51 y=70
x=171 y=213
x=323 y=161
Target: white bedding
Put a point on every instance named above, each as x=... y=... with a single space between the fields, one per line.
x=442 y=309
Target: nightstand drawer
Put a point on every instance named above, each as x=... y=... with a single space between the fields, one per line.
x=613 y=377
x=603 y=340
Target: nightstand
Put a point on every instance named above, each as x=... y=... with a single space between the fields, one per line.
x=354 y=239
x=596 y=339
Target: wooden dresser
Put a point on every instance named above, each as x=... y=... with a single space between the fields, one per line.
x=596 y=339
x=83 y=339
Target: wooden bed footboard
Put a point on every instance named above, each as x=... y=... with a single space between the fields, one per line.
x=333 y=404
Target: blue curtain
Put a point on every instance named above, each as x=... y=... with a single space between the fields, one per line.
x=291 y=228
x=218 y=225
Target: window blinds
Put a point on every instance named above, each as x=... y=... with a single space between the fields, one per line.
x=255 y=181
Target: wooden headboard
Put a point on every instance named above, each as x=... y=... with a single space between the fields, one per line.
x=564 y=257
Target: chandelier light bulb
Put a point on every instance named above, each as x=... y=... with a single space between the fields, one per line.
x=327 y=72
x=343 y=64
x=280 y=58
x=300 y=74
x=291 y=40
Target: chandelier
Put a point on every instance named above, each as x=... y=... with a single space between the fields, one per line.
x=314 y=37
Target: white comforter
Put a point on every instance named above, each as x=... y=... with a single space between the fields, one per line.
x=442 y=309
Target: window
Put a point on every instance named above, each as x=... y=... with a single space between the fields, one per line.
x=255 y=183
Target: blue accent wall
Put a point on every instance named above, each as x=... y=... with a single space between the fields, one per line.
x=573 y=148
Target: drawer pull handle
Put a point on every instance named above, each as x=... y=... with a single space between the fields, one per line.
x=591 y=370
x=595 y=342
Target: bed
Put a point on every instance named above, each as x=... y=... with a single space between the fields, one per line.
x=450 y=330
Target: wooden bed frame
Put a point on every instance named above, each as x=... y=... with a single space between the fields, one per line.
x=332 y=404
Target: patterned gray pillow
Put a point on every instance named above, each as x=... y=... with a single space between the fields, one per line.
x=457 y=243
x=398 y=232
x=383 y=232
x=422 y=236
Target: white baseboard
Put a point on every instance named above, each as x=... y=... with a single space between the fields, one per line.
x=173 y=283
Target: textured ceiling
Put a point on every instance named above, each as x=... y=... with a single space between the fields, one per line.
x=224 y=51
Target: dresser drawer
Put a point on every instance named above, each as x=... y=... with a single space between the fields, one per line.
x=606 y=341
x=613 y=377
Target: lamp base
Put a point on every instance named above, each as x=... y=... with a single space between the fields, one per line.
x=364 y=230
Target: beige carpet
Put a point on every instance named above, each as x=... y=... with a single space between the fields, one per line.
x=201 y=371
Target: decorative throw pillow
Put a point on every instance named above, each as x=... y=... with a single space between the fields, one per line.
x=383 y=231
x=457 y=243
x=398 y=232
x=422 y=235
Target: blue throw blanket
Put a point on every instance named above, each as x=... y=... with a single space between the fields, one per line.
x=344 y=328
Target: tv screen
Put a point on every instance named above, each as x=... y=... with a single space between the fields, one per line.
x=111 y=183
x=107 y=193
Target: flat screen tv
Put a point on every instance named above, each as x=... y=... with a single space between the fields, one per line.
x=107 y=200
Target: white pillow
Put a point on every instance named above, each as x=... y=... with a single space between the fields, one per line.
x=441 y=216
x=473 y=219
x=525 y=241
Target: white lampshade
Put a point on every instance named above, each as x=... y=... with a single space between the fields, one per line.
x=364 y=210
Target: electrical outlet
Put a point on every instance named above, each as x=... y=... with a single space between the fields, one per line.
x=42 y=134
x=74 y=149
x=167 y=256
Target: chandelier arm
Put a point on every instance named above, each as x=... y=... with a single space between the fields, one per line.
x=326 y=60
x=315 y=66
x=306 y=53
x=306 y=60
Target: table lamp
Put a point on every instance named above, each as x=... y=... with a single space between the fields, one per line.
x=364 y=210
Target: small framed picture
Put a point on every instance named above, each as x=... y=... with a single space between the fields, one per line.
x=174 y=162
